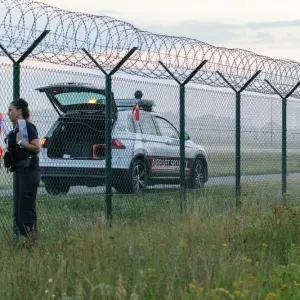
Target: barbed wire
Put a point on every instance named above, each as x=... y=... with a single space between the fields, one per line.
x=108 y=40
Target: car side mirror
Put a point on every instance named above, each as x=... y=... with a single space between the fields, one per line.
x=187 y=136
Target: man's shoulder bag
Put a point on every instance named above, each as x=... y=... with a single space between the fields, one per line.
x=13 y=165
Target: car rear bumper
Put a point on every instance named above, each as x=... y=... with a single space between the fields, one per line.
x=79 y=176
x=72 y=172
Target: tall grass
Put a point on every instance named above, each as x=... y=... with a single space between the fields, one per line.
x=152 y=251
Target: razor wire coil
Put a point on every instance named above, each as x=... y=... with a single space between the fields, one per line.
x=108 y=40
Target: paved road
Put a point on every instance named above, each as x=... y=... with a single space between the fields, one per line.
x=213 y=181
x=249 y=178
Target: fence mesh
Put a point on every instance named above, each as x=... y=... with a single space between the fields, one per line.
x=145 y=147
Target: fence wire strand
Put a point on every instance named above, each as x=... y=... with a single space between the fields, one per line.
x=73 y=194
x=109 y=39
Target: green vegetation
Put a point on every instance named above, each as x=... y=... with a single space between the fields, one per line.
x=252 y=162
x=152 y=251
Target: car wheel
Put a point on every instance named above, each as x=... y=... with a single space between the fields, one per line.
x=198 y=173
x=137 y=180
x=53 y=186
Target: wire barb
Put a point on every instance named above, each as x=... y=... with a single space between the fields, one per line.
x=108 y=40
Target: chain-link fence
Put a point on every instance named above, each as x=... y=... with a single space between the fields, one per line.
x=69 y=111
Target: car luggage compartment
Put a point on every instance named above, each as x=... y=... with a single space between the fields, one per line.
x=77 y=138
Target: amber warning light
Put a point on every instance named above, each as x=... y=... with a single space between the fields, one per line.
x=93 y=101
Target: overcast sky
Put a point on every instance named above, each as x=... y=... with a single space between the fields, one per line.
x=269 y=27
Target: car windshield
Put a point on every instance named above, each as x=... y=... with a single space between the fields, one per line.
x=72 y=98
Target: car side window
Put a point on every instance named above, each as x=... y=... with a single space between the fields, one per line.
x=147 y=124
x=166 y=128
x=131 y=125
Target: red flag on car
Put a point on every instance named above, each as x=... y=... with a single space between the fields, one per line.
x=136 y=112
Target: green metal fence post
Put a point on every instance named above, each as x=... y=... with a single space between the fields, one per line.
x=108 y=128
x=238 y=133
x=17 y=63
x=182 y=128
x=284 y=130
x=182 y=146
x=108 y=139
x=16 y=80
x=284 y=146
x=238 y=146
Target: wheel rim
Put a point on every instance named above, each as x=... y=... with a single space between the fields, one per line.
x=138 y=178
x=199 y=175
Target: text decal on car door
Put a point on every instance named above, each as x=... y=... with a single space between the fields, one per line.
x=167 y=164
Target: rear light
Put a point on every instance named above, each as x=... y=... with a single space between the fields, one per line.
x=43 y=142
x=116 y=144
x=99 y=149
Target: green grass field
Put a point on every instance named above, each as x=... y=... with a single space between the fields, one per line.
x=211 y=251
x=252 y=162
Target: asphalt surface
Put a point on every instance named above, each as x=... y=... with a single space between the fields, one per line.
x=213 y=181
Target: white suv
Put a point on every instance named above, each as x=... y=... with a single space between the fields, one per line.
x=144 y=151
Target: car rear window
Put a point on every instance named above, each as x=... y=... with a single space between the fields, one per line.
x=71 y=98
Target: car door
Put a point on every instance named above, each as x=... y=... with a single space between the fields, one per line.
x=148 y=139
x=169 y=140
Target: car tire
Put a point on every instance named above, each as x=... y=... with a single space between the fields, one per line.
x=198 y=174
x=137 y=179
x=53 y=187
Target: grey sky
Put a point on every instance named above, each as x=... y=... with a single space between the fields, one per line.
x=170 y=11
x=267 y=27
x=275 y=39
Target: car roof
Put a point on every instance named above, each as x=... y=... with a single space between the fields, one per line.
x=129 y=103
x=161 y=116
x=154 y=113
